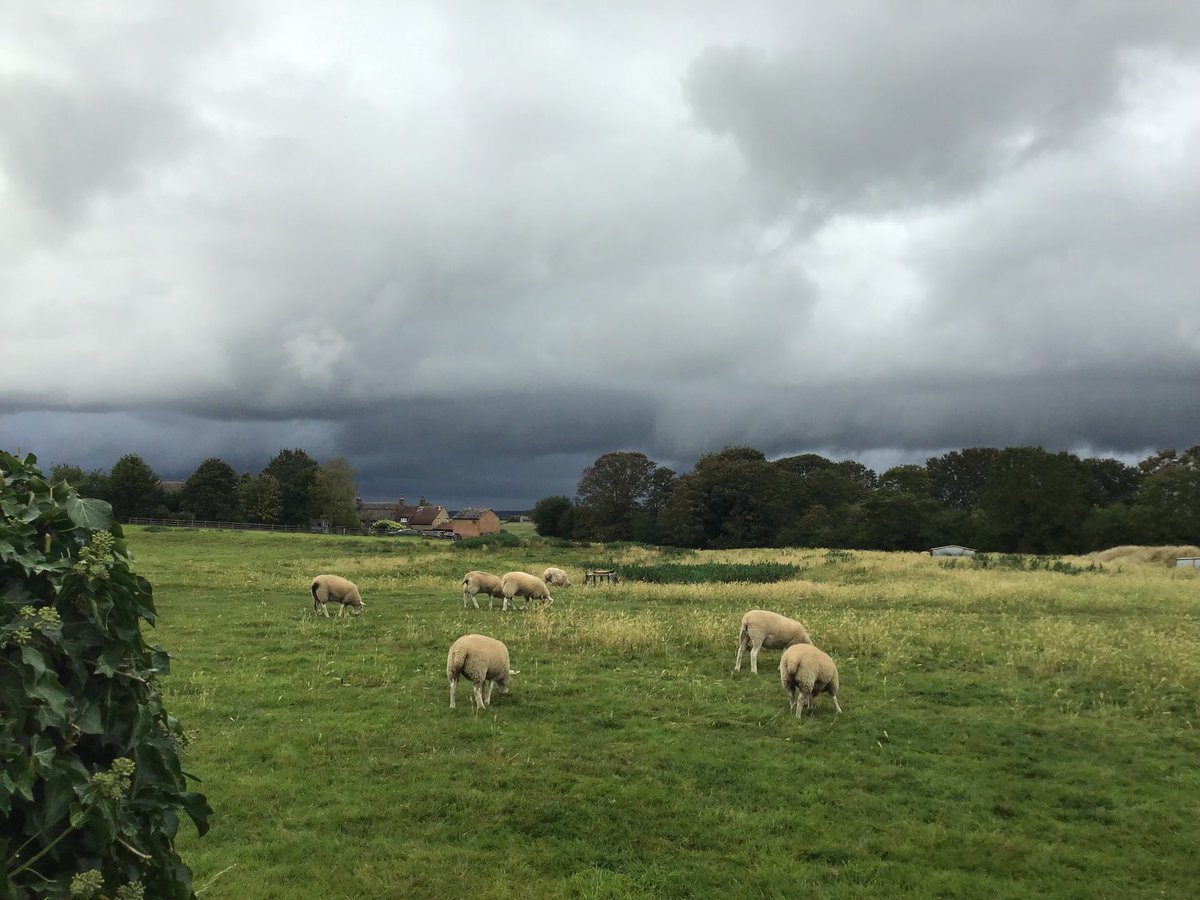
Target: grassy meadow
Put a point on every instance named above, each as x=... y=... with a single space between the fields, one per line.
x=1008 y=732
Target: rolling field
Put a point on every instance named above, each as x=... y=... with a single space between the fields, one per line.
x=1007 y=733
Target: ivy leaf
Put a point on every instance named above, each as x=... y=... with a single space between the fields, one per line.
x=90 y=513
x=33 y=658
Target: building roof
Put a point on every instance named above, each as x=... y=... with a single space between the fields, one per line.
x=470 y=512
x=425 y=515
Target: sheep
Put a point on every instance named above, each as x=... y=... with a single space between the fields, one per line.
x=335 y=589
x=481 y=583
x=481 y=659
x=522 y=584
x=805 y=672
x=556 y=577
x=761 y=628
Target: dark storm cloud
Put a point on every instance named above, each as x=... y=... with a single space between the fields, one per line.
x=471 y=249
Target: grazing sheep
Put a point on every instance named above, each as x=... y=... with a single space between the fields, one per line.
x=481 y=659
x=481 y=583
x=556 y=577
x=335 y=589
x=805 y=672
x=522 y=584
x=761 y=628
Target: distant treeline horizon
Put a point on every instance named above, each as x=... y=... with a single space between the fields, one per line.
x=1011 y=500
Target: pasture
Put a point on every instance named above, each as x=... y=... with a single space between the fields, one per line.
x=1008 y=732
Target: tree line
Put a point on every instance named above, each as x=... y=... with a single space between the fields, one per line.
x=1012 y=500
x=292 y=489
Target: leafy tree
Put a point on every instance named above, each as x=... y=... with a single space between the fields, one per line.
x=210 y=493
x=334 y=491
x=92 y=785
x=1035 y=501
x=900 y=512
x=730 y=498
x=959 y=477
x=88 y=484
x=554 y=516
x=1111 y=481
x=611 y=494
x=810 y=481
x=1167 y=507
x=296 y=473
x=259 y=499
x=1109 y=526
x=134 y=488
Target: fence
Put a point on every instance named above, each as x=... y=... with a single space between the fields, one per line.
x=244 y=526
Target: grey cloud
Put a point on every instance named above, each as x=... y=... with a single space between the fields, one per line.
x=874 y=108
x=468 y=248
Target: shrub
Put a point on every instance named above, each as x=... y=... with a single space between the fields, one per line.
x=91 y=778
x=674 y=573
x=483 y=541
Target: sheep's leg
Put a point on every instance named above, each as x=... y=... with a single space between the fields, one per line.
x=754 y=657
x=342 y=610
x=742 y=644
x=480 y=703
x=453 y=689
x=325 y=610
x=837 y=706
x=474 y=599
x=487 y=697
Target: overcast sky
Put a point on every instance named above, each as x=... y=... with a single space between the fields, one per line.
x=473 y=246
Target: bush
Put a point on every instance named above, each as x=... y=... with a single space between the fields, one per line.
x=91 y=778
x=483 y=541
x=673 y=573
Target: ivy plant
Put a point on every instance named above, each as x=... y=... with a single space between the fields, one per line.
x=91 y=763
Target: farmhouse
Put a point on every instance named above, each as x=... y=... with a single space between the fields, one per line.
x=471 y=522
x=1187 y=562
x=421 y=517
x=952 y=550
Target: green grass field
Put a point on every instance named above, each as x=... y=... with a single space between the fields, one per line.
x=1007 y=733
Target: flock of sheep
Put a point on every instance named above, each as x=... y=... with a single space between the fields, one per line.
x=804 y=670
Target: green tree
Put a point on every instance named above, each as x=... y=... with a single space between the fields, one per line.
x=134 y=488
x=1035 y=501
x=89 y=484
x=731 y=498
x=334 y=492
x=959 y=477
x=554 y=516
x=613 y=493
x=92 y=786
x=259 y=499
x=296 y=473
x=900 y=513
x=210 y=493
x=1167 y=507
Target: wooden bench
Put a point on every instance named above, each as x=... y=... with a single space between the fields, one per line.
x=609 y=575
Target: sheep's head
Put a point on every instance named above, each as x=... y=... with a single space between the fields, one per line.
x=357 y=608
x=511 y=673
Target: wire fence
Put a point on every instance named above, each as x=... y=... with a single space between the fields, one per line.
x=244 y=526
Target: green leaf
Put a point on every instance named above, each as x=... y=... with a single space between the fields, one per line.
x=33 y=658
x=90 y=513
x=197 y=807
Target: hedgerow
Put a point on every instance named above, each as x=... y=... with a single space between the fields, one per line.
x=91 y=776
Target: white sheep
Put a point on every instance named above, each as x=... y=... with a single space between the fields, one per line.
x=556 y=577
x=522 y=584
x=761 y=628
x=481 y=583
x=481 y=659
x=335 y=589
x=805 y=672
